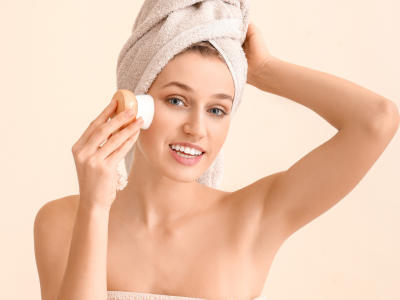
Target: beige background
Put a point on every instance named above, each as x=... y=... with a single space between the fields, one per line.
x=57 y=73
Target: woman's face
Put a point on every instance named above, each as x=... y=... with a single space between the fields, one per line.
x=193 y=101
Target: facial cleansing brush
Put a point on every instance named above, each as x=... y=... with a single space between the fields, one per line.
x=142 y=104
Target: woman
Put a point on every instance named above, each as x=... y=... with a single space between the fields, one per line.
x=165 y=233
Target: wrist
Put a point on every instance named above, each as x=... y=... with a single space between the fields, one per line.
x=264 y=77
x=93 y=207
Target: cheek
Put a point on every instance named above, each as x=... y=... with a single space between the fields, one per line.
x=159 y=130
x=162 y=115
x=220 y=133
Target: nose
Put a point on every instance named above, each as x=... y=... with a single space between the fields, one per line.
x=196 y=124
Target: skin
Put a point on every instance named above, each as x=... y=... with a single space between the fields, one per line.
x=167 y=234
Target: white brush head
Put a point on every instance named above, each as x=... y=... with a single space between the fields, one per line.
x=145 y=109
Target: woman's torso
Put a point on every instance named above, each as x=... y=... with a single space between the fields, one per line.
x=217 y=255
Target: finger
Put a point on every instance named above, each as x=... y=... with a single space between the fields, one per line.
x=104 y=131
x=105 y=141
x=101 y=119
x=115 y=157
x=118 y=139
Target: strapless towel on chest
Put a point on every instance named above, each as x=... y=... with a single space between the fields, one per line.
x=120 y=295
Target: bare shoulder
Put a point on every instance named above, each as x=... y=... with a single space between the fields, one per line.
x=53 y=228
x=59 y=213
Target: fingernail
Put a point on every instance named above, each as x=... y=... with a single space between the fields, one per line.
x=111 y=103
x=130 y=112
x=139 y=120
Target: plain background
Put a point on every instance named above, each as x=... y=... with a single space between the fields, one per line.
x=57 y=72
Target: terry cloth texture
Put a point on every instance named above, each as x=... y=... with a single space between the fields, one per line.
x=164 y=28
x=120 y=295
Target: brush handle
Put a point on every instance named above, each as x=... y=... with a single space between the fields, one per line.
x=126 y=100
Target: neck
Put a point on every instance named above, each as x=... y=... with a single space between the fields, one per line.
x=155 y=200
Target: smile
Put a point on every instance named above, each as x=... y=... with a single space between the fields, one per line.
x=184 y=156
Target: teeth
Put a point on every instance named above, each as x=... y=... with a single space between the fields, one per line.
x=185 y=156
x=186 y=150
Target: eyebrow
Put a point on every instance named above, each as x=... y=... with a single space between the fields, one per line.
x=189 y=89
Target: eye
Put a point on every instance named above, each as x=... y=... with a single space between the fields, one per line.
x=169 y=100
x=176 y=100
x=221 y=114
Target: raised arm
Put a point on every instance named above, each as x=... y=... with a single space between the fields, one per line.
x=366 y=123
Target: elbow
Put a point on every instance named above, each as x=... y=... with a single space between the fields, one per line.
x=386 y=120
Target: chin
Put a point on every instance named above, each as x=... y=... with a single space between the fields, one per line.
x=180 y=173
x=185 y=177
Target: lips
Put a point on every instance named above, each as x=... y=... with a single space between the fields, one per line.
x=186 y=161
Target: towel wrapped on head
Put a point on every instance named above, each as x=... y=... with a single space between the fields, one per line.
x=165 y=28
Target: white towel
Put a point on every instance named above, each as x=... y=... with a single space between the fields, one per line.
x=164 y=28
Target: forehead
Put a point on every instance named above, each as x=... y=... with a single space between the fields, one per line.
x=198 y=72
